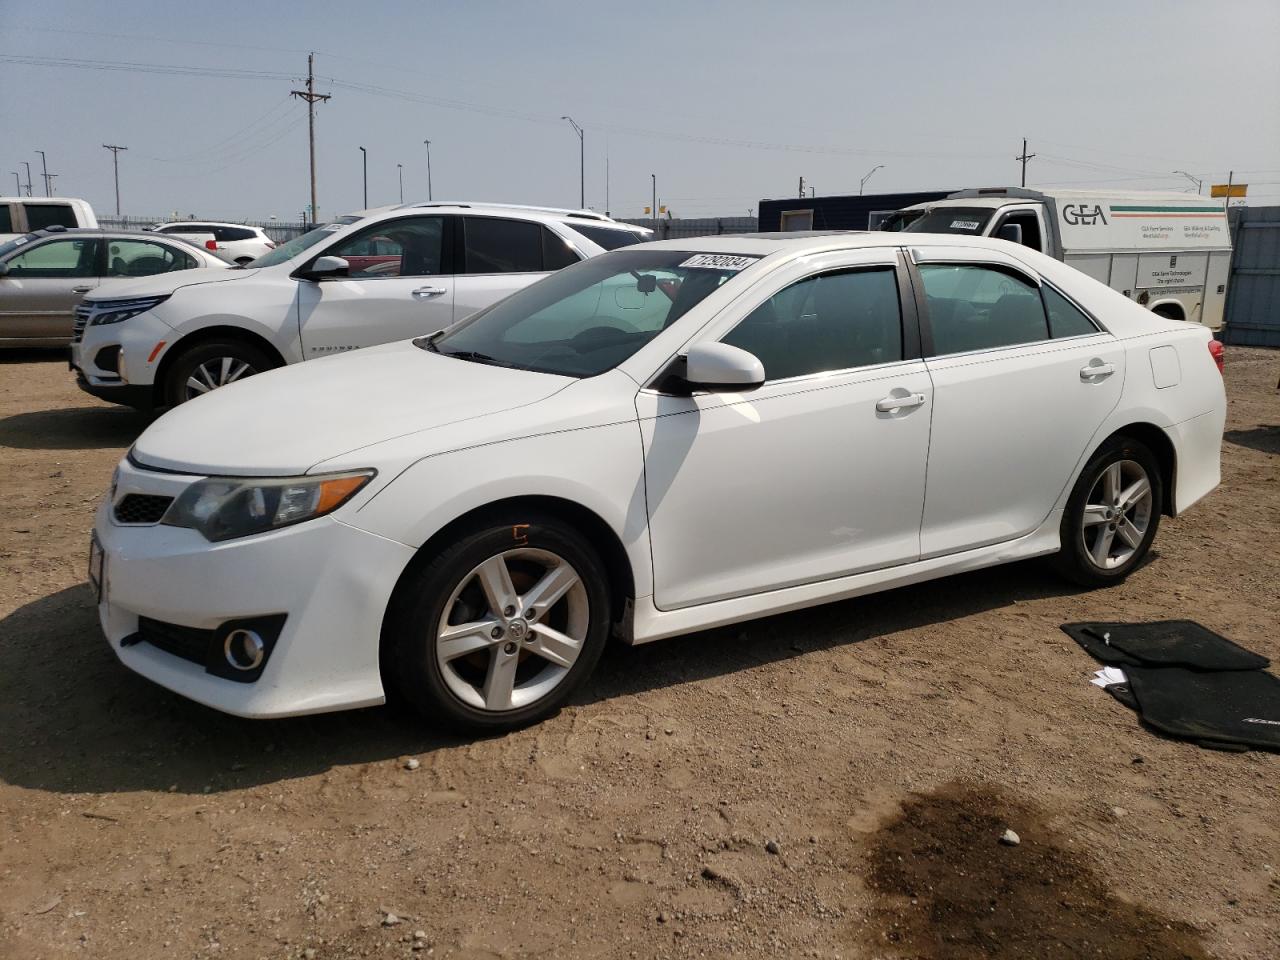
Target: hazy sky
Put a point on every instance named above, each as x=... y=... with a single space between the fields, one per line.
x=726 y=102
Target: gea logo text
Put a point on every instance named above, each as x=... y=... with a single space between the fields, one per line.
x=1083 y=214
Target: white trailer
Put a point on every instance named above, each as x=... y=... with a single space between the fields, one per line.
x=1170 y=252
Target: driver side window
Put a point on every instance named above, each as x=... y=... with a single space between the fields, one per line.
x=833 y=321
x=410 y=247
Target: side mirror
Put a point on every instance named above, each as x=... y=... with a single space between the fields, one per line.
x=721 y=368
x=1011 y=232
x=326 y=267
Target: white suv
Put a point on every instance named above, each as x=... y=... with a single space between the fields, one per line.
x=235 y=241
x=369 y=278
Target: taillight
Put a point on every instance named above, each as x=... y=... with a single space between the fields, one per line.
x=1215 y=351
x=211 y=244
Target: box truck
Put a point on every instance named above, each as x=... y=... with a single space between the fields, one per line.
x=1170 y=252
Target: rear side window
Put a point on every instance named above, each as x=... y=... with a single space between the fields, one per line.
x=41 y=215
x=1065 y=318
x=976 y=307
x=834 y=321
x=609 y=239
x=556 y=254
x=226 y=234
x=6 y=219
x=492 y=245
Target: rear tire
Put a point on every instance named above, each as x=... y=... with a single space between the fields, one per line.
x=499 y=628
x=1112 y=515
x=215 y=363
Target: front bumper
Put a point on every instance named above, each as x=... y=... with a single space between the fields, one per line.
x=136 y=346
x=331 y=581
x=128 y=394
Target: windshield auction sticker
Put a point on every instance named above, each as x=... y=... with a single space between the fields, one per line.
x=719 y=261
x=965 y=224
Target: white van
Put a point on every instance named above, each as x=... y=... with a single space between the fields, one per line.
x=1170 y=252
x=22 y=215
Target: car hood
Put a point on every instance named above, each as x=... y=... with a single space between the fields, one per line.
x=287 y=421
x=163 y=284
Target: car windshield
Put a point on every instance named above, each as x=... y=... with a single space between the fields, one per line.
x=287 y=251
x=967 y=221
x=590 y=317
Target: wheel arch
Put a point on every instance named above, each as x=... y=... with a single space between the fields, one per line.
x=1158 y=442
x=602 y=536
x=1169 y=309
x=204 y=335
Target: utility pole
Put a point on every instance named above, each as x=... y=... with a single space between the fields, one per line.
x=49 y=178
x=802 y=186
x=115 y=162
x=1024 y=158
x=400 y=170
x=28 y=166
x=311 y=97
x=654 y=178
x=428 y=143
x=44 y=165
x=364 y=158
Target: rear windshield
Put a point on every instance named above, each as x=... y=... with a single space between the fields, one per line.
x=610 y=239
x=287 y=251
x=966 y=221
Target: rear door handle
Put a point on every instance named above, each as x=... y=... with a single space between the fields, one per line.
x=81 y=289
x=425 y=293
x=1097 y=371
x=891 y=403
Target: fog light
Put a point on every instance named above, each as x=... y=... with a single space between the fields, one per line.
x=244 y=649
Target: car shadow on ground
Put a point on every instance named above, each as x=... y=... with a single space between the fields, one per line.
x=80 y=428
x=76 y=721
x=34 y=355
x=1266 y=439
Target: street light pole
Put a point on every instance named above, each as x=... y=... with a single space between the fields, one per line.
x=19 y=180
x=400 y=170
x=428 y=143
x=863 y=182
x=364 y=156
x=654 y=178
x=115 y=162
x=1196 y=180
x=582 y=163
x=44 y=165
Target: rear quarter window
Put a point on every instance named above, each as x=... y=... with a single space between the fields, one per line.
x=610 y=238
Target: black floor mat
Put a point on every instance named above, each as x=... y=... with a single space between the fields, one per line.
x=1171 y=643
x=1188 y=682
x=1231 y=706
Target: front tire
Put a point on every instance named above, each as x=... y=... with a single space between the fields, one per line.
x=1112 y=514
x=206 y=366
x=498 y=629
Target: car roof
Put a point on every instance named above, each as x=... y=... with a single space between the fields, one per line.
x=556 y=214
x=812 y=241
x=212 y=223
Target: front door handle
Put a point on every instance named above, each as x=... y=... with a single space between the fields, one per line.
x=81 y=289
x=1097 y=371
x=891 y=403
x=426 y=293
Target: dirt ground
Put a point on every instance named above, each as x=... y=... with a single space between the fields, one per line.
x=830 y=783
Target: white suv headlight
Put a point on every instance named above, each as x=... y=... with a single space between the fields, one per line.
x=114 y=311
x=223 y=508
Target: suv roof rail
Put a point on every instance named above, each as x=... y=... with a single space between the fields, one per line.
x=466 y=205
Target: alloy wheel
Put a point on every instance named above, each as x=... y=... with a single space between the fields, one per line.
x=1117 y=514
x=512 y=629
x=216 y=372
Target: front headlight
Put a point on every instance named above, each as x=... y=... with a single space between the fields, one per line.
x=223 y=508
x=114 y=311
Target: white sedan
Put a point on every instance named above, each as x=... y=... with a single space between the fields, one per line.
x=658 y=440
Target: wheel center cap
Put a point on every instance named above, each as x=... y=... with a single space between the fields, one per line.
x=518 y=629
